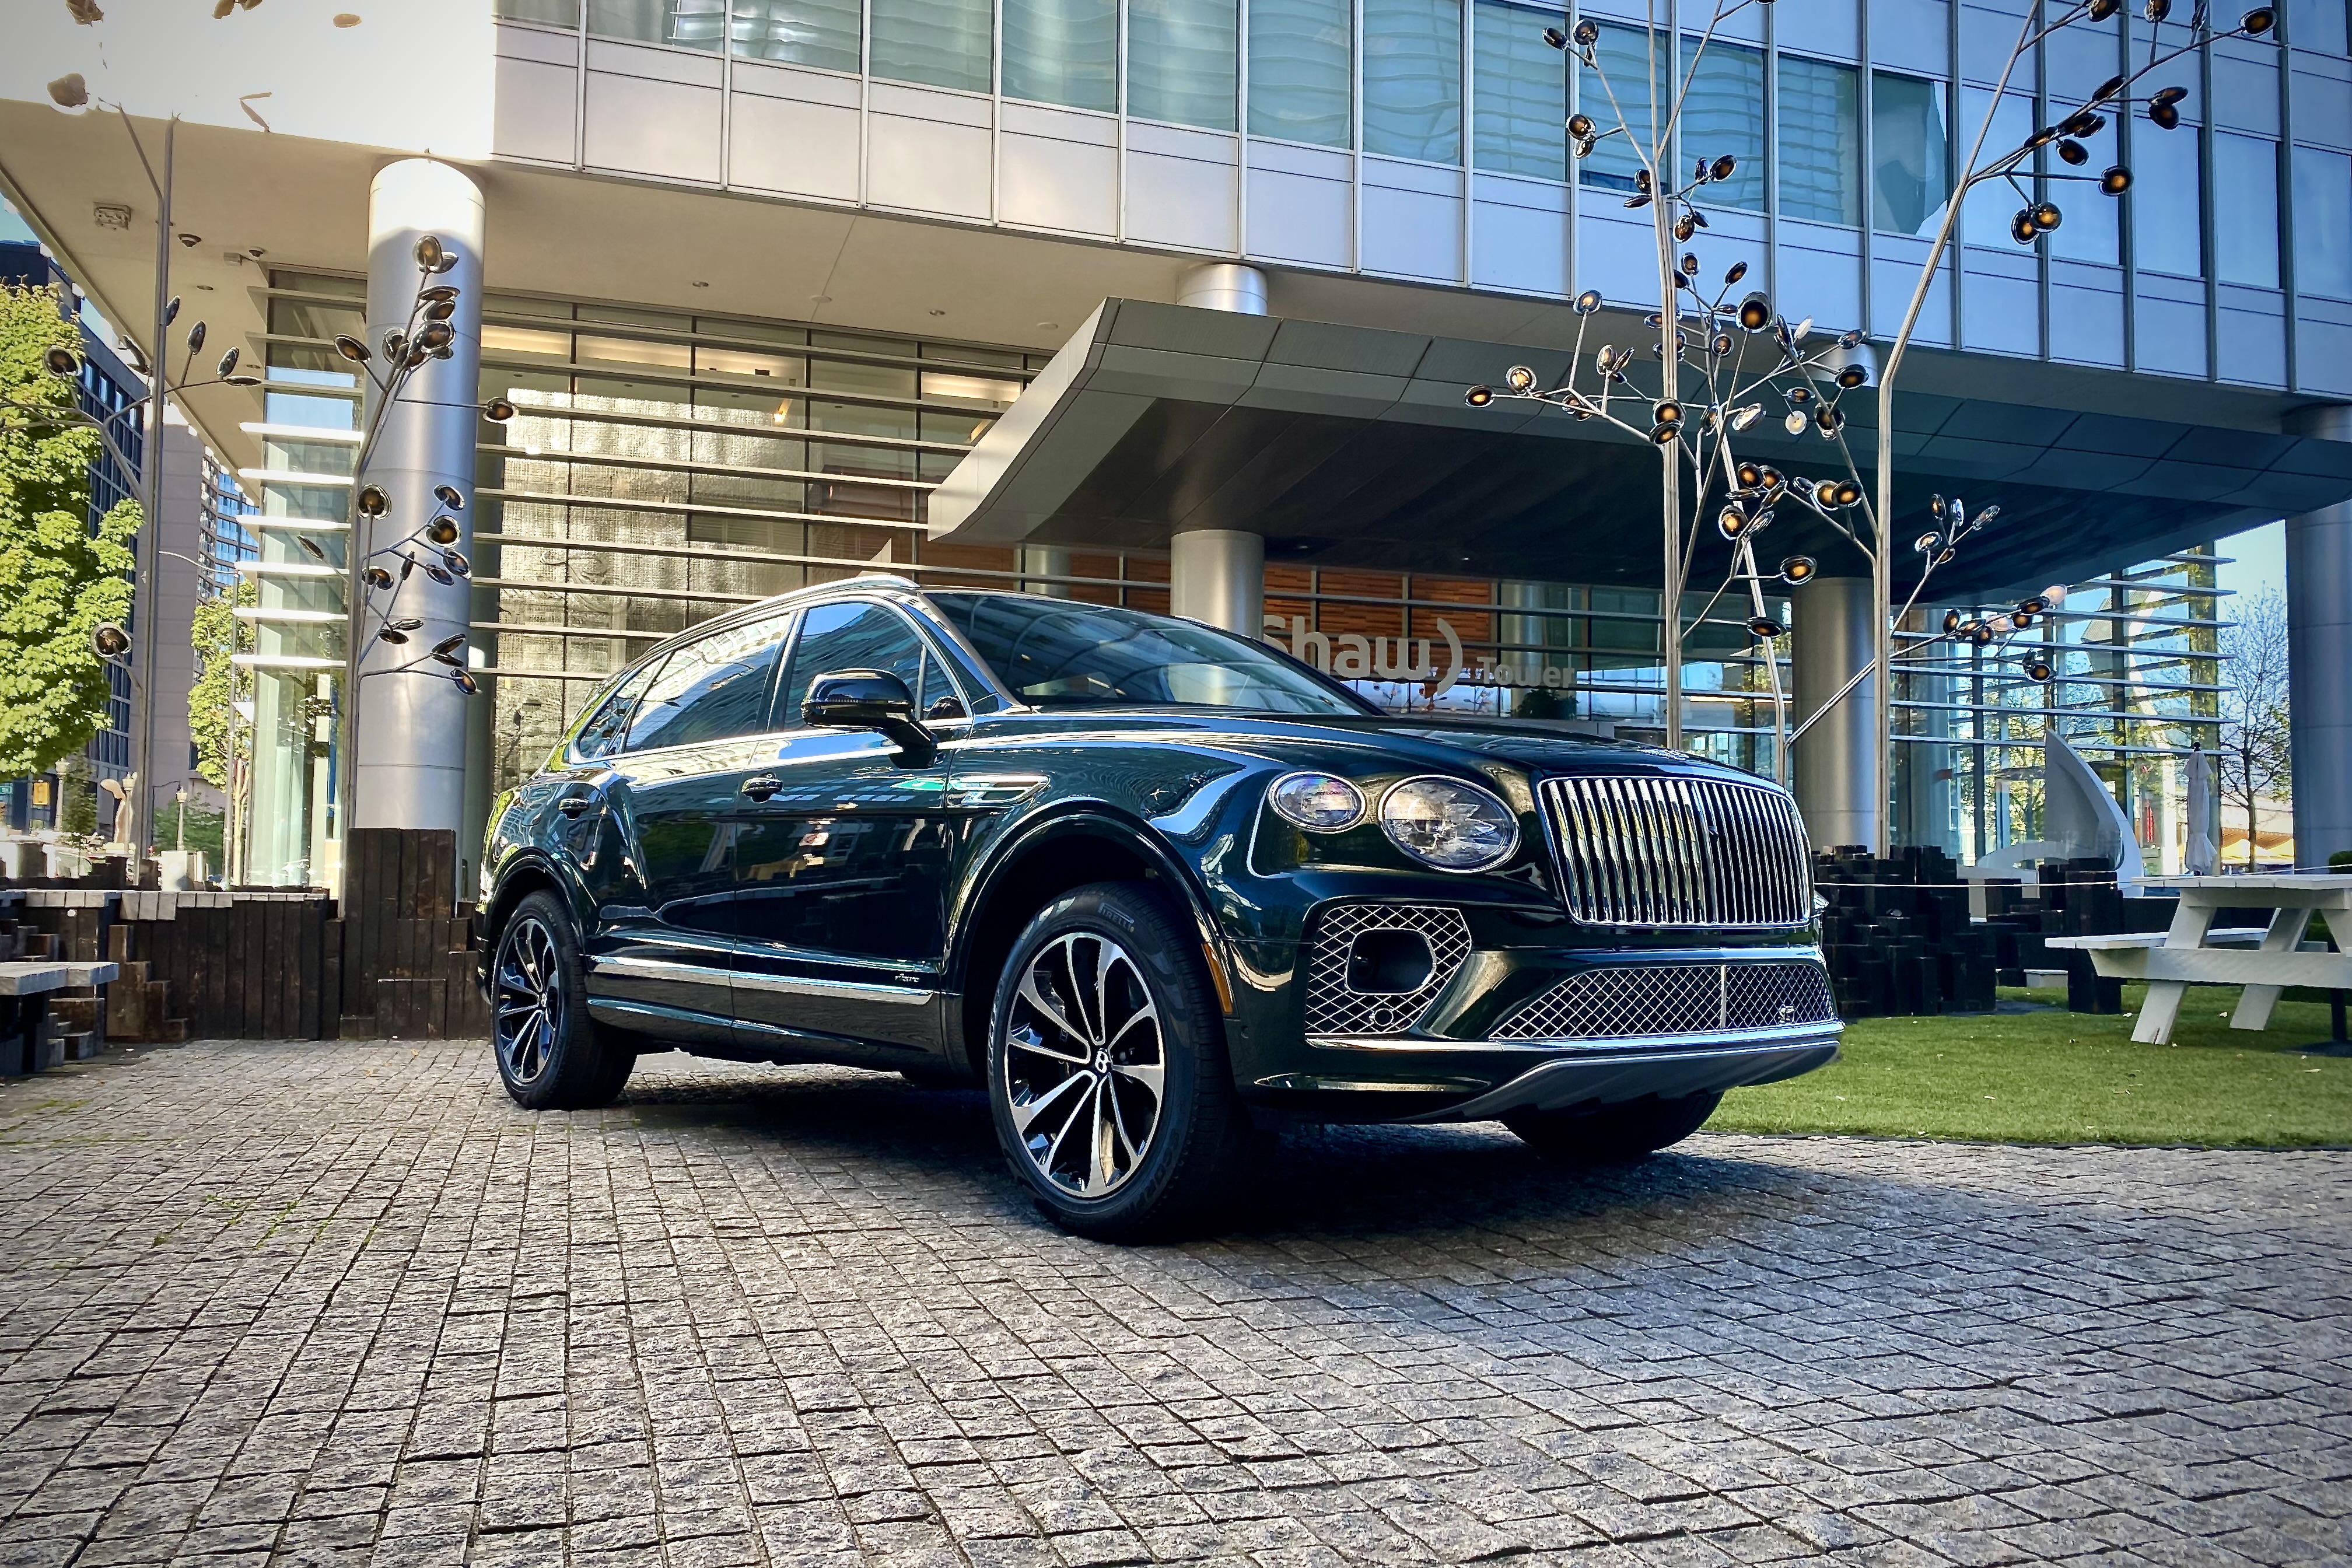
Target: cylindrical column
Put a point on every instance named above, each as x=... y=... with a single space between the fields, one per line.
x=2319 y=659
x=1832 y=772
x=412 y=722
x=1224 y=286
x=1048 y=560
x=1218 y=575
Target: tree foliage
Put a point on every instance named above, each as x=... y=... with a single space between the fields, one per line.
x=211 y=720
x=59 y=577
x=2253 y=761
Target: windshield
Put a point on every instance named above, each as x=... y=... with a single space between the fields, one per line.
x=1054 y=653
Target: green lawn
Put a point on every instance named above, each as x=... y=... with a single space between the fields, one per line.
x=2064 y=1077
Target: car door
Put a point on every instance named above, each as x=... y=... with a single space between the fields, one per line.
x=841 y=863
x=665 y=933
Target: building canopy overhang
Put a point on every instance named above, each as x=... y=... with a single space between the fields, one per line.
x=1348 y=446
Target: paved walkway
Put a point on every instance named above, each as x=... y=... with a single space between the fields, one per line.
x=312 y=1304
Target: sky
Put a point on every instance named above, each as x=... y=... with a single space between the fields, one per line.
x=2259 y=560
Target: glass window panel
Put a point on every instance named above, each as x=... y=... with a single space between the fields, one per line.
x=1183 y=61
x=554 y=13
x=2091 y=229
x=2245 y=210
x=526 y=341
x=1413 y=80
x=1063 y=52
x=712 y=689
x=1907 y=139
x=2323 y=223
x=1300 y=64
x=849 y=637
x=1985 y=219
x=2317 y=25
x=2167 y=214
x=1522 y=93
x=939 y=43
x=1821 y=140
x=1724 y=112
x=820 y=33
x=601 y=735
x=688 y=24
x=1617 y=93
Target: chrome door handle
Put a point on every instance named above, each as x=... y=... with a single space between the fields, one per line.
x=761 y=787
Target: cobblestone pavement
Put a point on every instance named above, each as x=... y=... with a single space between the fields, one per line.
x=312 y=1304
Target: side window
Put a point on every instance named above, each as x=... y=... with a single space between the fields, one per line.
x=849 y=635
x=601 y=735
x=712 y=689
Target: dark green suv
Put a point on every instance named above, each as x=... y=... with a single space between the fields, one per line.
x=1151 y=884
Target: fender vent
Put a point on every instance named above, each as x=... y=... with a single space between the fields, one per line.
x=1335 y=1005
x=1674 y=999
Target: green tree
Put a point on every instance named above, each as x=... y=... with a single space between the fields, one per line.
x=59 y=577
x=210 y=717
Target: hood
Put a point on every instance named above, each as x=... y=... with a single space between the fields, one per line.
x=1421 y=739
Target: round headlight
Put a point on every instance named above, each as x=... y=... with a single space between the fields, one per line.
x=1321 y=803
x=1449 y=824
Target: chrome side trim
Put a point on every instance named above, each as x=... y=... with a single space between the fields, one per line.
x=657 y=969
x=845 y=990
x=1602 y=1045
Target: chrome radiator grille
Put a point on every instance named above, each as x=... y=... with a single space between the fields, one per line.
x=1674 y=999
x=1647 y=851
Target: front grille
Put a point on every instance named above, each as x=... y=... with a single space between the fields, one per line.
x=1647 y=851
x=1674 y=999
x=1335 y=1007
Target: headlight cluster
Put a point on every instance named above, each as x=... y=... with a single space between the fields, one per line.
x=1440 y=822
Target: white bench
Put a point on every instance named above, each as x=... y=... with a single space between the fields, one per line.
x=2187 y=956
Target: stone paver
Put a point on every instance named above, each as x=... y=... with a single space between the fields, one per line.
x=342 y=1304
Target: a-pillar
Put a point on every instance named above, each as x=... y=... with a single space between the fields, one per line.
x=412 y=722
x=2319 y=659
x=1831 y=773
x=1218 y=575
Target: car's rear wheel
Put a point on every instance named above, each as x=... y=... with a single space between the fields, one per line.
x=552 y=1055
x=1107 y=1068
x=1612 y=1132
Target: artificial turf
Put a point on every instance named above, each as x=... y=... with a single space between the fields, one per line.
x=2055 y=1077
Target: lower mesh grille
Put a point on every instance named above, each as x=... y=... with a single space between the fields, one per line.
x=1674 y=999
x=1335 y=1007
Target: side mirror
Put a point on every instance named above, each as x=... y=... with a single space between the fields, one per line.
x=870 y=699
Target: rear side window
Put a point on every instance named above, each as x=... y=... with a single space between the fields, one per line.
x=850 y=636
x=712 y=689
x=608 y=725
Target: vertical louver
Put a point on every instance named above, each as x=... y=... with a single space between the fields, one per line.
x=1664 y=851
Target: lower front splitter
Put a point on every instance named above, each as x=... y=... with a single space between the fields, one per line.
x=1597 y=1078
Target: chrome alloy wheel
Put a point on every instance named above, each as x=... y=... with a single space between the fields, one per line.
x=528 y=1004
x=1085 y=1064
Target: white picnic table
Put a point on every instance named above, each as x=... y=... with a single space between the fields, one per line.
x=2185 y=955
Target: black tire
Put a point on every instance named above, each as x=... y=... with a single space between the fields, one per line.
x=1065 y=1066
x=1612 y=1132
x=552 y=1055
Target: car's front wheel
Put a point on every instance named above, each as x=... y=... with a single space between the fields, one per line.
x=1107 y=1068
x=552 y=1055
x=1614 y=1131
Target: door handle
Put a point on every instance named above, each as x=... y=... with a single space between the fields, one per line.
x=575 y=805
x=761 y=787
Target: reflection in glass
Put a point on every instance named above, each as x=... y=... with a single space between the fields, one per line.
x=1624 y=99
x=687 y=23
x=1063 y=52
x=1907 y=139
x=1985 y=219
x=939 y=43
x=2245 y=210
x=2167 y=215
x=1521 y=93
x=1820 y=142
x=820 y=33
x=1413 y=80
x=1181 y=61
x=1725 y=113
x=2323 y=223
x=1299 y=63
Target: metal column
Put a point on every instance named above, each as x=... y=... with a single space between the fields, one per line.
x=1218 y=575
x=2319 y=659
x=1833 y=771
